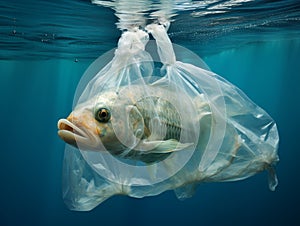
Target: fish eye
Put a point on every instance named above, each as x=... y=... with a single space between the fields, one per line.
x=102 y=115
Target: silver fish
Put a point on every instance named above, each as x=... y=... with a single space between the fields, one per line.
x=133 y=122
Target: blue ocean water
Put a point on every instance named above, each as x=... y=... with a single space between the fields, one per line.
x=47 y=45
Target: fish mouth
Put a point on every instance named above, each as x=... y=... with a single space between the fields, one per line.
x=71 y=133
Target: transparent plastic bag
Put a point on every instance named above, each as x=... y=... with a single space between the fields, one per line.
x=234 y=116
x=141 y=129
x=142 y=150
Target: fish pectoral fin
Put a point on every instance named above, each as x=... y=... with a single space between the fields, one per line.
x=164 y=146
x=135 y=121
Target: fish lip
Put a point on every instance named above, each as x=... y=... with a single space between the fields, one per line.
x=73 y=131
x=76 y=136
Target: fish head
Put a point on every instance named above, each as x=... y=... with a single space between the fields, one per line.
x=105 y=122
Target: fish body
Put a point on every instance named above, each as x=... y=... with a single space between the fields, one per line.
x=145 y=123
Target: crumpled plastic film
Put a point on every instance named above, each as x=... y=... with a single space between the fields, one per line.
x=154 y=133
x=243 y=137
x=161 y=128
x=83 y=185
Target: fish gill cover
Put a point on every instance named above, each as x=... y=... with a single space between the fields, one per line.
x=150 y=116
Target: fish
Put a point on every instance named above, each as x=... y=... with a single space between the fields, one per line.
x=168 y=130
x=138 y=122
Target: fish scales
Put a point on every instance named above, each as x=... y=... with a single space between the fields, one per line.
x=160 y=113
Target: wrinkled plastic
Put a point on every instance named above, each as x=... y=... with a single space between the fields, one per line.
x=224 y=135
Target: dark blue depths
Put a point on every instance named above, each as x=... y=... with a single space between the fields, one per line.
x=35 y=94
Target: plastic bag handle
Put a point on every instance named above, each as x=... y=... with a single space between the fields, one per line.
x=164 y=45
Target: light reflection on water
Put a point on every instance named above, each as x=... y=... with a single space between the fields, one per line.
x=80 y=29
x=137 y=13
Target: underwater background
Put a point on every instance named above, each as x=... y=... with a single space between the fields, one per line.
x=45 y=47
